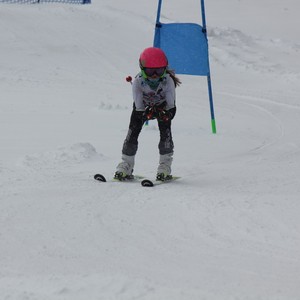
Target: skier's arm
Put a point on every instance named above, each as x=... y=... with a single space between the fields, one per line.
x=170 y=94
x=137 y=95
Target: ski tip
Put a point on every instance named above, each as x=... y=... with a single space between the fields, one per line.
x=147 y=183
x=100 y=177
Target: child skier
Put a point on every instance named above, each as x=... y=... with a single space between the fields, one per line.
x=154 y=98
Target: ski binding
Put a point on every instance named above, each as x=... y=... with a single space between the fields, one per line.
x=152 y=183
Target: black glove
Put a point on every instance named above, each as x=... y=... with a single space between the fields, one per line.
x=159 y=113
x=150 y=112
x=164 y=115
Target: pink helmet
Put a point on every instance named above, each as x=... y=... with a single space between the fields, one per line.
x=153 y=58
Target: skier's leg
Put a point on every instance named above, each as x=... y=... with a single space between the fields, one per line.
x=166 y=147
x=130 y=146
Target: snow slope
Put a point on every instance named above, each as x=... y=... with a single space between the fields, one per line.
x=229 y=229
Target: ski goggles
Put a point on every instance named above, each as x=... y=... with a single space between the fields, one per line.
x=149 y=72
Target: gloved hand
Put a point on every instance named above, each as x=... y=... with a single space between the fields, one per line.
x=164 y=115
x=159 y=113
x=150 y=112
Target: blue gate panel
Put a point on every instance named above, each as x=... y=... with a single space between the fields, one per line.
x=185 y=45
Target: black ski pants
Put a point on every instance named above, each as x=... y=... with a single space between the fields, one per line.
x=137 y=121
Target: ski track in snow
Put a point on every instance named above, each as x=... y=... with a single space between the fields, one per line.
x=228 y=229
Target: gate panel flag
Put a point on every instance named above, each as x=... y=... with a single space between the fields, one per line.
x=185 y=45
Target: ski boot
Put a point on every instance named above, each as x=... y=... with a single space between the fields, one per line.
x=125 y=168
x=164 y=167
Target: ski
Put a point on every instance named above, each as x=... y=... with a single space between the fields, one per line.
x=152 y=183
x=137 y=178
x=133 y=178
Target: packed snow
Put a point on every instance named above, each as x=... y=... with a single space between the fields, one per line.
x=228 y=229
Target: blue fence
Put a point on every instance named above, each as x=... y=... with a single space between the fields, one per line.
x=46 y=1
